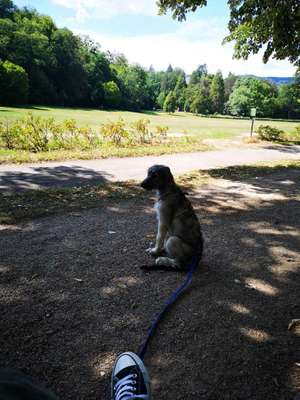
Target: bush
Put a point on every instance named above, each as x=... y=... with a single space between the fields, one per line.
x=14 y=84
x=115 y=132
x=270 y=133
x=29 y=133
x=161 y=132
x=33 y=133
x=69 y=136
x=7 y=136
x=112 y=94
x=37 y=134
x=141 y=133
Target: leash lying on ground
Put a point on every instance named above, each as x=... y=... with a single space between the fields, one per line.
x=192 y=266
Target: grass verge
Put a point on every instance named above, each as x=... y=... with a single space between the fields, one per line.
x=36 y=203
x=176 y=146
x=240 y=172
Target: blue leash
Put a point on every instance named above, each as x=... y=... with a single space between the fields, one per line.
x=193 y=265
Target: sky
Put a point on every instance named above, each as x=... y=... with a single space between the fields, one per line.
x=132 y=27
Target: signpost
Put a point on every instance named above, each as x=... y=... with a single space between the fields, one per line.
x=252 y=116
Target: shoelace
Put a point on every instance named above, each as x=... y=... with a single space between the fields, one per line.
x=125 y=388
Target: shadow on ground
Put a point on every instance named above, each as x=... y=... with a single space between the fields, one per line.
x=285 y=148
x=46 y=177
x=73 y=297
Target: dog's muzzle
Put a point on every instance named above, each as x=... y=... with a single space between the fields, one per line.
x=147 y=184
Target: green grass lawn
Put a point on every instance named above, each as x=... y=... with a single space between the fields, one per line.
x=217 y=128
x=197 y=128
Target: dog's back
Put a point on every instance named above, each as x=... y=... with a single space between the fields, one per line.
x=184 y=222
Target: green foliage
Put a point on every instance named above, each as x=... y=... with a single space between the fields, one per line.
x=170 y=103
x=229 y=84
x=274 y=25
x=270 y=133
x=200 y=103
x=253 y=25
x=161 y=99
x=217 y=93
x=32 y=133
x=133 y=84
x=13 y=84
x=67 y=70
x=112 y=94
x=179 y=91
x=7 y=8
x=252 y=92
x=196 y=75
x=37 y=134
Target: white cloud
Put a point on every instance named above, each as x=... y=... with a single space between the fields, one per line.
x=105 y=9
x=192 y=44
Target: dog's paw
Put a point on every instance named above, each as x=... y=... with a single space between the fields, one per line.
x=153 y=251
x=167 y=262
x=162 y=261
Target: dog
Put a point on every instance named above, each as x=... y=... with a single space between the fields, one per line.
x=179 y=235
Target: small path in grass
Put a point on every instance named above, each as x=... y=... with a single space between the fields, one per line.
x=86 y=172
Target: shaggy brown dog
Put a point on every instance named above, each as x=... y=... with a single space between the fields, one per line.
x=179 y=234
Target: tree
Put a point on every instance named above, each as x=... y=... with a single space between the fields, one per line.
x=170 y=103
x=197 y=74
x=161 y=99
x=201 y=103
x=97 y=69
x=228 y=84
x=197 y=95
x=112 y=94
x=153 y=88
x=217 y=93
x=13 y=84
x=252 y=92
x=274 y=25
x=67 y=69
x=288 y=100
x=169 y=79
x=7 y=8
x=179 y=91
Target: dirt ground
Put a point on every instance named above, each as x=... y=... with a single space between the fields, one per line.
x=73 y=297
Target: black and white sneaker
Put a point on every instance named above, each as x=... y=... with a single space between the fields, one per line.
x=130 y=379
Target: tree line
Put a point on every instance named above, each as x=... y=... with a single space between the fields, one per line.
x=42 y=64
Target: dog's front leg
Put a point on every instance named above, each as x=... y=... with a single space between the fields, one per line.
x=160 y=240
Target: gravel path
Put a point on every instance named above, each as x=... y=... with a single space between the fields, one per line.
x=73 y=173
x=72 y=297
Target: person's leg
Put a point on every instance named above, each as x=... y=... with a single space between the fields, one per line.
x=130 y=379
x=16 y=386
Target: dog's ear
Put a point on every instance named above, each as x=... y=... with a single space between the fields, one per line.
x=169 y=175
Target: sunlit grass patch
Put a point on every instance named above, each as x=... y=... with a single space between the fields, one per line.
x=247 y=171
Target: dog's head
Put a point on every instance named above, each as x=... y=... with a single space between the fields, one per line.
x=159 y=177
